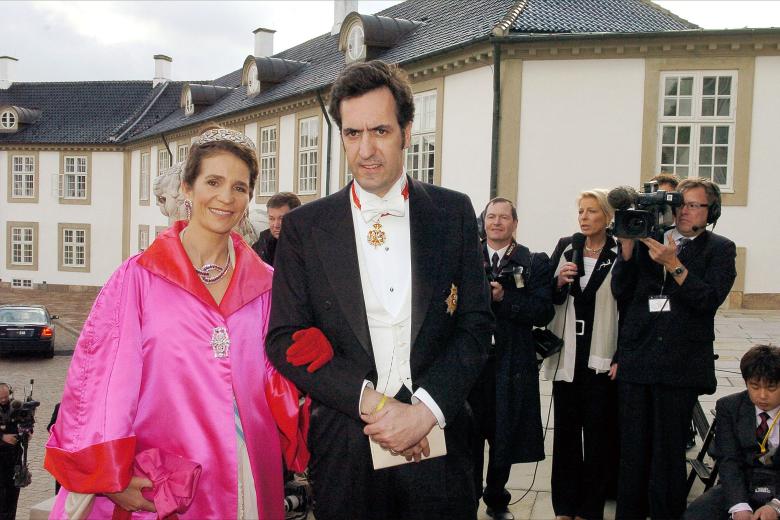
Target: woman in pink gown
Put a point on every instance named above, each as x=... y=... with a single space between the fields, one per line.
x=170 y=374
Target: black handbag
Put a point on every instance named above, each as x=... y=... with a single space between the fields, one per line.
x=546 y=343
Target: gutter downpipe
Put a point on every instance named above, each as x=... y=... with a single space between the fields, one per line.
x=496 y=128
x=330 y=144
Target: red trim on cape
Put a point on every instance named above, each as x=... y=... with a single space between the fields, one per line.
x=167 y=258
x=101 y=468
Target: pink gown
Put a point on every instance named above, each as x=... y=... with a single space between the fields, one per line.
x=145 y=375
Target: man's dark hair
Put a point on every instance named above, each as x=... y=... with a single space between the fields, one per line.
x=361 y=78
x=761 y=363
x=498 y=200
x=283 y=198
x=667 y=178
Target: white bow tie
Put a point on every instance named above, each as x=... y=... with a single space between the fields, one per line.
x=375 y=207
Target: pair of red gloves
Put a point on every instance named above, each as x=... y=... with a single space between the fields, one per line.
x=310 y=347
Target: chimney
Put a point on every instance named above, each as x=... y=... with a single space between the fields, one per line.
x=341 y=8
x=264 y=42
x=7 y=66
x=162 y=69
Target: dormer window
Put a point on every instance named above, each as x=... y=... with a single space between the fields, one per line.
x=195 y=97
x=253 y=86
x=15 y=118
x=356 y=48
x=8 y=120
x=259 y=73
x=365 y=36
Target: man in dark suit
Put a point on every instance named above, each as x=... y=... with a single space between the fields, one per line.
x=665 y=353
x=278 y=206
x=386 y=272
x=746 y=442
x=505 y=400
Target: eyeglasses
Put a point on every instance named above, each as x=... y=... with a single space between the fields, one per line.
x=695 y=205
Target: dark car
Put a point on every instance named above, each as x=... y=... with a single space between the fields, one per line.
x=26 y=329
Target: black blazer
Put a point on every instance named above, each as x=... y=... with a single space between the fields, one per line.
x=317 y=283
x=675 y=347
x=736 y=447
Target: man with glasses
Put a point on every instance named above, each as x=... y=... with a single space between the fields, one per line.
x=671 y=292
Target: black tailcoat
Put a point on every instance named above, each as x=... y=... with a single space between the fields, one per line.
x=317 y=284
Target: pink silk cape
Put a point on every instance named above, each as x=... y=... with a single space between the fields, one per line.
x=144 y=375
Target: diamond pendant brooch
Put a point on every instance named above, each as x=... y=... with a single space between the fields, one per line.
x=220 y=342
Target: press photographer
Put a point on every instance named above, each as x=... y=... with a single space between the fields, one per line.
x=505 y=399
x=672 y=287
x=16 y=426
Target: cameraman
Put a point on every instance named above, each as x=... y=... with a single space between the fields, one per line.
x=665 y=353
x=10 y=452
x=505 y=399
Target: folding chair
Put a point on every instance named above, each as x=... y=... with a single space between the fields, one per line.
x=705 y=472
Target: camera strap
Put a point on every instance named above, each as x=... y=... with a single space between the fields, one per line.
x=763 y=443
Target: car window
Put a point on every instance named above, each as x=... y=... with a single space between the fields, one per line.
x=31 y=316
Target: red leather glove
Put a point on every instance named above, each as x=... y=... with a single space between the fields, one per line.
x=310 y=347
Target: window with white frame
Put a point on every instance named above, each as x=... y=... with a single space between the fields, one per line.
x=23 y=171
x=696 y=125
x=74 y=247
x=182 y=152
x=22 y=245
x=420 y=156
x=268 y=143
x=163 y=160
x=253 y=86
x=143 y=237
x=7 y=120
x=189 y=107
x=308 y=155
x=74 y=185
x=144 y=177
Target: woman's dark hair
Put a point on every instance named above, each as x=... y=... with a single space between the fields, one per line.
x=361 y=78
x=761 y=363
x=200 y=151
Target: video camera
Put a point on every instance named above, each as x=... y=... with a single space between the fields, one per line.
x=652 y=213
x=297 y=497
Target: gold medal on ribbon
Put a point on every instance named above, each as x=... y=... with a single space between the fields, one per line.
x=376 y=237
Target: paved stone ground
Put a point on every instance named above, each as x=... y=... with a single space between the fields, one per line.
x=736 y=331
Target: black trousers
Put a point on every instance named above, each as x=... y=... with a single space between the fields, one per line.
x=710 y=506
x=9 y=494
x=584 y=444
x=346 y=487
x=483 y=403
x=653 y=431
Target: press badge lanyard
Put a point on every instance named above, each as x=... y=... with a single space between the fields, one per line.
x=762 y=444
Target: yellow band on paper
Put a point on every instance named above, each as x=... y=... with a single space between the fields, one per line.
x=381 y=404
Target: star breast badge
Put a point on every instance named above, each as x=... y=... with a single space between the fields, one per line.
x=452 y=300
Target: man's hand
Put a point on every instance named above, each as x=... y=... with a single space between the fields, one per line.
x=417 y=451
x=10 y=438
x=131 y=498
x=399 y=426
x=497 y=291
x=766 y=512
x=666 y=255
x=742 y=515
x=613 y=371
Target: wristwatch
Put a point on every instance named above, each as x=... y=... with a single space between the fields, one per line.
x=775 y=504
x=678 y=271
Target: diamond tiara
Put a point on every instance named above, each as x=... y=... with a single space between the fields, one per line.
x=223 y=134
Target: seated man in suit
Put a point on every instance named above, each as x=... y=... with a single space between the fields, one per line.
x=746 y=442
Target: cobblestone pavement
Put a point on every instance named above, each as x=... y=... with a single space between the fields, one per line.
x=736 y=331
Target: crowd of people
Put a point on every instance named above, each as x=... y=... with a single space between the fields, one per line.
x=386 y=345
